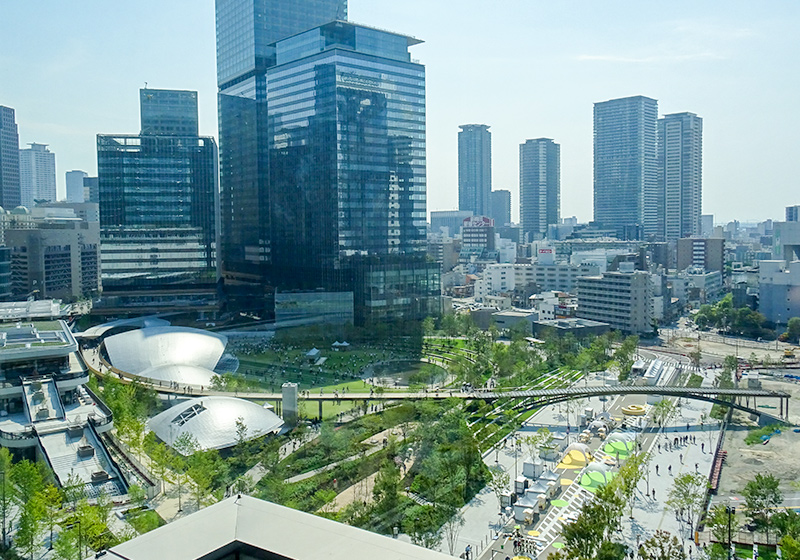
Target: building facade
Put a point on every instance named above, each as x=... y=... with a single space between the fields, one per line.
x=501 y=207
x=54 y=253
x=680 y=174
x=158 y=214
x=37 y=174
x=626 y=195
x=74 y=180
x=779 y=290
x=5 y=273
x=793 y=213
x=475 y=169
x=336 y=177
x=539 y=186
x=451 y=219
x=708 y=254
x=621 y=299
x=168 y=112
x=9 y=159
x=246 y=36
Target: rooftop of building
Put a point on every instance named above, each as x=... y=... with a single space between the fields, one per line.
x=32 y=310
x=570 y=323
x=246 y=526
x=25 y=340
x=342 y=23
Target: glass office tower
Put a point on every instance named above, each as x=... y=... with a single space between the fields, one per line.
x=10 y=196
x=626 y=166
x=246 y=34
x=323 y=163
x=158 y=213
x=475 y=169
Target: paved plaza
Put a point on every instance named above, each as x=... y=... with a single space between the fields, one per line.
x=482 y=516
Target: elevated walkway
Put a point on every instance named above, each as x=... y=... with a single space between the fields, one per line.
x=42 y=402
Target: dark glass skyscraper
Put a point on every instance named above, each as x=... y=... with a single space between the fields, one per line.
x=323 y=163
x=539 y=186
x=246 y=34
x=475 y=169
x=9 y=160
x=626 y=166
x=158 y=213
x=168 y=112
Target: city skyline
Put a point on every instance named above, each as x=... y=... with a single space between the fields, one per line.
x=705 y=64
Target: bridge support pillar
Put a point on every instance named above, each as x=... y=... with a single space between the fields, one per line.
x=320 y=409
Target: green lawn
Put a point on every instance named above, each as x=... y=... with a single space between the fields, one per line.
x=145 y=521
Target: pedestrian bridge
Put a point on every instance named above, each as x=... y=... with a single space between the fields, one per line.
x=738 y=398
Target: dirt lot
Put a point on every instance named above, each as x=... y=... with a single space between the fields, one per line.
x=780 y=457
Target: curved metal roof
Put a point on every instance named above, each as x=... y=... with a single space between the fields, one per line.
x=154 y=347
x=212 y=421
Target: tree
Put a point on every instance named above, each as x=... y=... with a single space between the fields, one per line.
x=428 y=326
x=201 y=471
x=452 y=527
x=185 y=445
x=629 y=475
x=421 y=524
x=687 y=498
x=790 y=548
x=761 y=497
x=7 y=492
x=626 y=356
x=662 y=546
x=499 y=483
x=137 y=495
x=52 y=500
x=31 y=525
x=663 y=411
x=386 y=491
x=696 y=355
x=793 y=330
x=719 y=520
x=787 y=522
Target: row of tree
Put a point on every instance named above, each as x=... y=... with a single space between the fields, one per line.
x=734 y=320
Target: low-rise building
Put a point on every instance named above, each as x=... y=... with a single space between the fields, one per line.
x=575 y=326
x=54 y=253
x=779 y=290
x=695 y=252
x=622 y=299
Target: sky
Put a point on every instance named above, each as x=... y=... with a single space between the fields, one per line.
x=527 y=68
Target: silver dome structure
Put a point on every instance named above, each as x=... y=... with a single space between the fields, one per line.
x=211 y=421
x=167 y=354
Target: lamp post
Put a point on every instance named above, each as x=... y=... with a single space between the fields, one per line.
x=729 y=510
x=5 y=505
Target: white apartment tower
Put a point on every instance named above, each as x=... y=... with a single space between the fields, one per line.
x=37 y=174
x=680 y=174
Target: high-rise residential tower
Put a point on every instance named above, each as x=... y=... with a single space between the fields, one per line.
x=37 y=174
x=322 y=133
x=9 y=159
x=501 y=207
x=475 y=169
x=158 y=199
x=539 y=186
x=626 y=197
x=74 y=181
x=680 y=173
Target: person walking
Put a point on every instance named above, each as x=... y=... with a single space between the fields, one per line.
x=656 y=470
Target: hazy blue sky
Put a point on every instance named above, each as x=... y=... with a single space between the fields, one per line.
x=527 y=68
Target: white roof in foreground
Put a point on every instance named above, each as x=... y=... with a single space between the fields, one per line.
x=143 y=349
x=212 y=421
x=265 y=530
